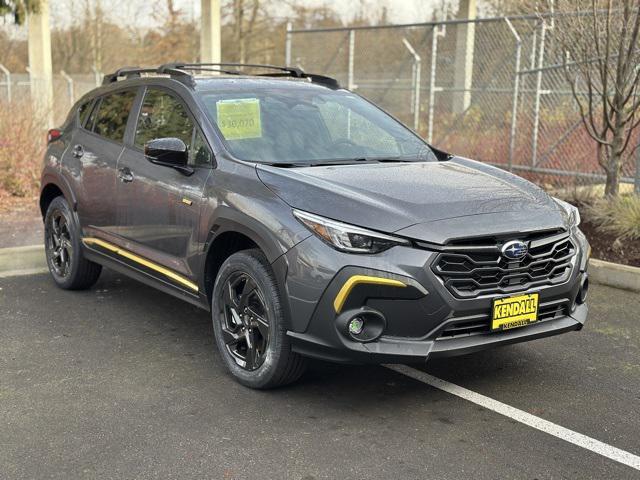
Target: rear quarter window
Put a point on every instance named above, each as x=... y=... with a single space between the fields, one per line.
x=83 y=112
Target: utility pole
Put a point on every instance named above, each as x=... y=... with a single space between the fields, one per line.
x=40 y=70
x=210 y=32
x=463 y=66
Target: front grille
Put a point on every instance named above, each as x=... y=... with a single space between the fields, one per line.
x=480 y=324
x=471 y=271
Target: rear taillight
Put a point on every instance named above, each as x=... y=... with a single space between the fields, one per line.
x=53 y=135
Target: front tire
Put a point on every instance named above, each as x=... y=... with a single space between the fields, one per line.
x=63 y=249
x=249 y=326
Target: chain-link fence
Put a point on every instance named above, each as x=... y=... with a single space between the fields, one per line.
x=490 y=89
x=16 y=86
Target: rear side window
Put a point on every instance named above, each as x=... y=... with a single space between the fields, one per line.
x=91 y=120
x=83 y=112
x=112 y=116
x=161 y=116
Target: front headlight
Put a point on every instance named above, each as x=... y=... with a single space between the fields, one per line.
x=347 y=238
x=572 y=213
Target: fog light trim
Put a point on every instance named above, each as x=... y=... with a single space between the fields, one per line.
x=344 y=292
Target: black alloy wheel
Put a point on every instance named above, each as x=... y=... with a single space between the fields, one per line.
x=63 y=248
x=245 y=326
x=59 y=244
x=249 y=323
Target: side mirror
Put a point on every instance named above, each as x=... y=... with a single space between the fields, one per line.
x=168 y=152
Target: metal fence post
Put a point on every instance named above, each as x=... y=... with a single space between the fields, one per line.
x=516 y=91
x=7 y=76
x=415 y=105
x=536 y=106
x=416 y=118
x=534 y=47
x=97 y=76
x=432 y=78
x=287 y=46
x=636 y=183
x=69 y=86
x=352 y=43
x=412 y=102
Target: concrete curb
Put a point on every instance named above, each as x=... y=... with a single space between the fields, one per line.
x=614 y=275
x=29 y=260
x=22 y=259
x=23 y=272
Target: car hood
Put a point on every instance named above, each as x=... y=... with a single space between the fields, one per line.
x=429 y=201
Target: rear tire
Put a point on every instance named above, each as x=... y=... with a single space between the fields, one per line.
x=63 y=248
x=249 y=325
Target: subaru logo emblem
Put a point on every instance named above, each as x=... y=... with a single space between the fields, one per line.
x=514 y=250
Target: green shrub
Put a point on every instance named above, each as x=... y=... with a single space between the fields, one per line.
x=620 y=216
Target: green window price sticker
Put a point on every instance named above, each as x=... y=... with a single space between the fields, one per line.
x=239 y=118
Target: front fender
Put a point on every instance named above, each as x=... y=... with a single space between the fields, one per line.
x=274 y=242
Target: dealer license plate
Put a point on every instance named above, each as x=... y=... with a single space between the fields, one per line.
x=513 y=312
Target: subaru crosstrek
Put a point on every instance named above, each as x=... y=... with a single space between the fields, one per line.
x=307 y=220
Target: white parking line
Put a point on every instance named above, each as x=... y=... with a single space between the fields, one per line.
x=570 y=436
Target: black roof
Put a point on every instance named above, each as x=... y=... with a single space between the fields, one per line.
x=181 y=72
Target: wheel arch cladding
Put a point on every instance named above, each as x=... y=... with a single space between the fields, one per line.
x=235 y=238
x=53 y=187
x=49 y=192
x=222 y=247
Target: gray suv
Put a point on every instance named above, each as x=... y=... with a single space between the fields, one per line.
x=307 y=220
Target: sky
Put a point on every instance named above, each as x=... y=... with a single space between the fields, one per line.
x=400 y=11
x=140 y=12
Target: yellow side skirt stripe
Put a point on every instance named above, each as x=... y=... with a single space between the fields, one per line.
x=344 y=292
x=142 y=261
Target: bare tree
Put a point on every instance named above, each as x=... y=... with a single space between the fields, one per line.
x=173 y=39
x=602 y=65
x=515 y=7
x=94 y=16
x=19 y=8
x=243 y=26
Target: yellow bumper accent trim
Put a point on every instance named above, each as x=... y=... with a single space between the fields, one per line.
x=344 y=292
x=142 y=261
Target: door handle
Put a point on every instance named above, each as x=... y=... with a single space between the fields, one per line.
x=125 y=175
x=78 y=151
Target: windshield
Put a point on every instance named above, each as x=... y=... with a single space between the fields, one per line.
x=294 y=125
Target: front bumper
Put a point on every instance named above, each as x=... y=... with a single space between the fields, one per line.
x=398 y=350
x=423 y=319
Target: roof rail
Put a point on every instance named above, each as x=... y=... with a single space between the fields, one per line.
x=292 y=71
x=180 y=72
x=123 y=72
x=280 y=71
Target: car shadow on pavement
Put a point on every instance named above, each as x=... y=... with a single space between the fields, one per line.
x=155 y=315
x=125 y=316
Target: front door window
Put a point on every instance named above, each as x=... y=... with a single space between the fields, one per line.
x=162 y=116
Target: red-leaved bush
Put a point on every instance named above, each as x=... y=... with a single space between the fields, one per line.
x=22 y=144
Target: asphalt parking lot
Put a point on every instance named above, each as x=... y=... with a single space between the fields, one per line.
x=122 y=381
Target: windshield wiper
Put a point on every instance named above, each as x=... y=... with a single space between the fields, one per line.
x=355 y=161
x=395 y=159
x=339 y=161
x=285 y=164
